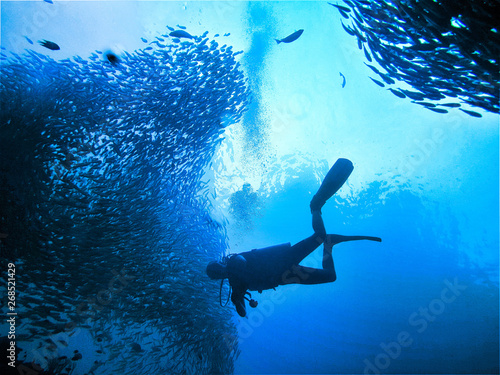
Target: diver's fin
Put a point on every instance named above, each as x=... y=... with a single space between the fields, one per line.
x=332 y=182
x=334 y=239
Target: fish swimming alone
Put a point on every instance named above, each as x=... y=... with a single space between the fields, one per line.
x=290 y=38
x=343 y=79
x=50 y=45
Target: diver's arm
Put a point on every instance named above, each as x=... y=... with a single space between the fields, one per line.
x=238 y=300
x=236 y=266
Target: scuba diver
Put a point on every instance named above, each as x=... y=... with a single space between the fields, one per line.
x=267 y=268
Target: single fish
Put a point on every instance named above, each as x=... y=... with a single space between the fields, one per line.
x=29 y=40
x=50 y=45
x=158 y=44
x=144 y=40
x=375 y=70
x=438 y=110
x=471 y=113
x=341 y=8
x=181 y=34
x=413 y=95
x=377 y=82
x=399 y=94
x=426 y=104
x=451 y=105
x=343 y=14
x=387 y=79
x=367 y=54
x=48 y=1
x=77 y=356
x=136 y=347
x=290 y=38
x=343 y=79
x=349 y=30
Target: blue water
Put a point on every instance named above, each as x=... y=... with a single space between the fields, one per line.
x=425 y=300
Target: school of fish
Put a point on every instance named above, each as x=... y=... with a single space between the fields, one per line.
x=103 y=210
x=442 y=49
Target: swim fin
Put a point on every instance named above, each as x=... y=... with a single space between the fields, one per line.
x=333 y=181
x=334 y=239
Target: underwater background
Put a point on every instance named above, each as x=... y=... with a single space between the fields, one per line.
x=134 y=154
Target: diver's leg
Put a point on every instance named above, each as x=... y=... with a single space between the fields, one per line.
x=318 y=227
x=327 y=262
x=309 y=276
x=305 y=247
x=306 y=275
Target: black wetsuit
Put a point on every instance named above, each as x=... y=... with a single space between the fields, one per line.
x=267 y=268
x=261 y=268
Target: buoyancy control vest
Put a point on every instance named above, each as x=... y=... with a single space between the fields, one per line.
x=259 y=269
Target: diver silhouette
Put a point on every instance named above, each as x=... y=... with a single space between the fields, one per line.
x=267 y=268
